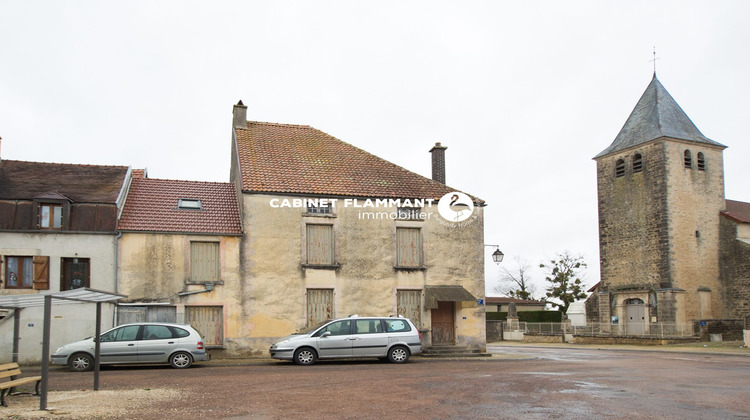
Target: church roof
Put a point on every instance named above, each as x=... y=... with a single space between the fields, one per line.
x=738 y=211
x=656 y=115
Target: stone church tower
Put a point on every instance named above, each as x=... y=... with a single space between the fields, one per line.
x=661 y=191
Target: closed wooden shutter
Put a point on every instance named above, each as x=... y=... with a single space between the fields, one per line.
x=41 y=273
x=209 y=321
x=204 y=261
x=319 y=305
x=409 y=247
x=410 y=305
x=320 y=244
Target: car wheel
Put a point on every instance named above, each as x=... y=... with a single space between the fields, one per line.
x=305 y=356
x=180 y=360
x=81 y=362
x=398 y=354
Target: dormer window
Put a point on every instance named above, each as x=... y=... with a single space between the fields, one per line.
x=637 y=163
x=50 y=216
x=688 y=159
x=701 y=161
x=620 y=168
x=189 y=204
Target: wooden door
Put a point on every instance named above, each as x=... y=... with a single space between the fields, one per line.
x=209 y=321
x=443 y=324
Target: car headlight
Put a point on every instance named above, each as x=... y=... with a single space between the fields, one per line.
x=60 y=349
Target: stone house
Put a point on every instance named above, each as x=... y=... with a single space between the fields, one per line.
x=57 y=232
x=500 y=304
x=178 y=257
x=331 y=230
x=663 y=224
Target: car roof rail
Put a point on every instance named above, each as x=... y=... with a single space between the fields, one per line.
x=353 y=316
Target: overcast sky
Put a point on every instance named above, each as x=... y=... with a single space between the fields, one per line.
x=522 y=93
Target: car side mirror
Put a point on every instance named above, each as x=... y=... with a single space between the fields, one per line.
x=325 y=334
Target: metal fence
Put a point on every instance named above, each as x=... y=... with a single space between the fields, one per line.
x=659 y=329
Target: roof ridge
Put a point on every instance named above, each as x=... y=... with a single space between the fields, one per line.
x=66 y=164
x=280 y=124
x=182 y=181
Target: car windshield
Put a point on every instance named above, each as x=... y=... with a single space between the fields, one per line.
x=312 y=328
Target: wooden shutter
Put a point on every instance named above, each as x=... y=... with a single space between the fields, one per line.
x=410 y=305
x=409 y=247
x=204 y=261
x=209 y=322
x=320 y=244
x=319 y=305
x=41 y=273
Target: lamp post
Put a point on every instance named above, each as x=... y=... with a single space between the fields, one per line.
x=498 y=255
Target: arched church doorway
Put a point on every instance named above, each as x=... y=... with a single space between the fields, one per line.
x=635 y=316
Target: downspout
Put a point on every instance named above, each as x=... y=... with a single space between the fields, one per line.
x=117 y=241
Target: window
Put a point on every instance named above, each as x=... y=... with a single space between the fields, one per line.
x=336 y=328
x=189 y=204
x=397 y=325
x=620 y=168
x=408 y=247
x=156 y=332
x=688 y=159
x=320 y=245
x=409 y=213
x=204 y=261
x=76 y=273
x=50 y=216
x=701 y=161
x=127 y=333
x=320 y=208
x=637 y=163
x=19 y=273
x=368 y=326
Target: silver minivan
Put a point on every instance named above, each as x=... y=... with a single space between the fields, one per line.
x=149 y=342
x=387 y=338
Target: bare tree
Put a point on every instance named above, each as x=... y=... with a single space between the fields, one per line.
x=565 y=277
x=515 y=282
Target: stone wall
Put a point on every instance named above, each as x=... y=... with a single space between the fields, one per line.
x=542 y=338
x=735 y=270
x=640 y=341
x=730 y=329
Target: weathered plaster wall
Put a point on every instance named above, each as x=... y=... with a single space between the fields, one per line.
x=70 y=322
x=275 y=282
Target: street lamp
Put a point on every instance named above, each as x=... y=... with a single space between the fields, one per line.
x=498 y=255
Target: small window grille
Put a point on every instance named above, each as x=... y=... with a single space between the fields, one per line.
x=620 y=168
x=701 y=161
x=319 y=209
x=688 y=159
x=637 y=163
x=409 y=213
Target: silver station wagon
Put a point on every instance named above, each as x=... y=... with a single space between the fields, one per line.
x=176 y=344
x=387 y=338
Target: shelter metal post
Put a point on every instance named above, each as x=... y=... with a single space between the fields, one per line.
x=97 y=344
x=45 y=351
x=16 y=333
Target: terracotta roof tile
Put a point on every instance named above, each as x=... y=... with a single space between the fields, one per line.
x=738 y=211
x=299 y=159
x=151 y=206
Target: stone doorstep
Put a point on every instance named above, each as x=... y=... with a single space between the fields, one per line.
x=452 y=351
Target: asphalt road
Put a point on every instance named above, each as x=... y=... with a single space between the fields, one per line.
x=545 y=383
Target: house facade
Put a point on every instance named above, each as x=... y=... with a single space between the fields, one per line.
x=57 y=232
x=331 y=230
x=178 y=258
x=661 y=211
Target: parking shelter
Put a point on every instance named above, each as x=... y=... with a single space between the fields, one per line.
x=75 y=296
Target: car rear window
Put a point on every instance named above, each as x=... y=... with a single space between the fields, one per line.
x=180 y=333
x=397 y=325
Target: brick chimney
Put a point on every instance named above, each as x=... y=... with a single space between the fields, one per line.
x=438 y=162
x=239 y=115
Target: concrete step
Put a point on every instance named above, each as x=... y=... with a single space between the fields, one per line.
x=452 y=351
